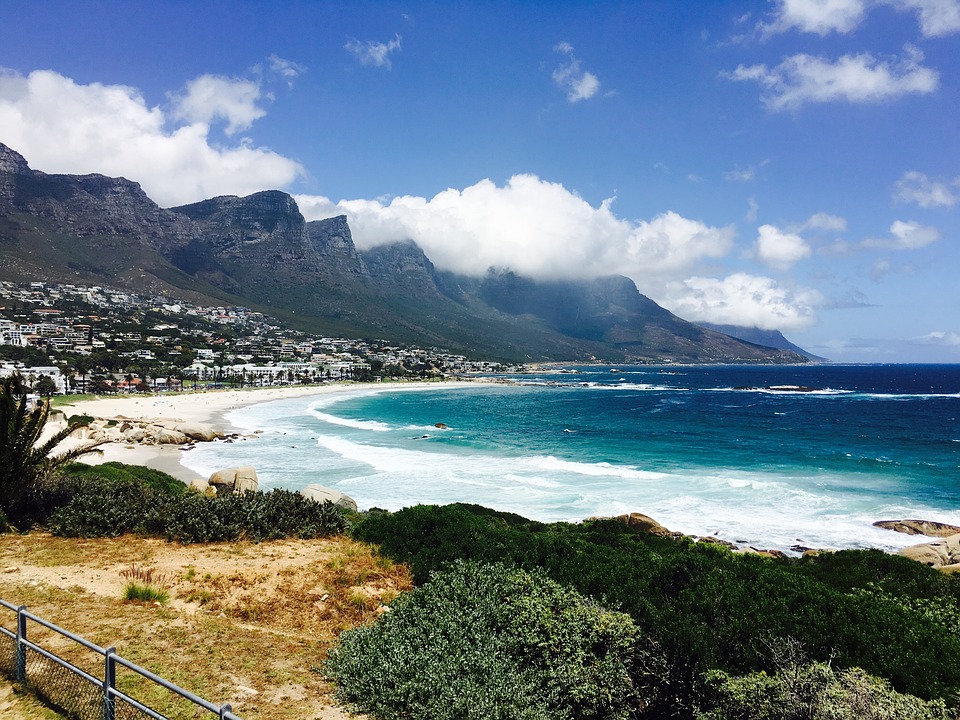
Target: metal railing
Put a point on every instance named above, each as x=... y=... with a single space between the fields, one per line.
x=78 y=692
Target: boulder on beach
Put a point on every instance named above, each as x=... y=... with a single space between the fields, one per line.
x=641 y=522
x=940 y=554
x=930 y=528
x=322 y=494
x=163 y=436
x=197 y=431
x=236 y=480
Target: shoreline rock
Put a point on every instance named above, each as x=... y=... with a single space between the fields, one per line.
x=930 y=528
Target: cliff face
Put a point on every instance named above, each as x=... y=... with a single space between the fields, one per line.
x=258 y=251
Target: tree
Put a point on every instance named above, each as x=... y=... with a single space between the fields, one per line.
x=45 y=386
x=26 y=452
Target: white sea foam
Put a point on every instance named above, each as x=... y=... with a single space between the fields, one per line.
x=381 y=465
x=373 y=425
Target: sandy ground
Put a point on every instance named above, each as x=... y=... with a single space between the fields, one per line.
x=207 y=407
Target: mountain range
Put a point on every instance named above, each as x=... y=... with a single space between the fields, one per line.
x=259 y=252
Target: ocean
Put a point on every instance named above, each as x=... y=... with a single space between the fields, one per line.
x=769 y=456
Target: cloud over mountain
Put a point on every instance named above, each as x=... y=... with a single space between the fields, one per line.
x=67 y=127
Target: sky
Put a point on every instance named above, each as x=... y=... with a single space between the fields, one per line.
x=785 y=164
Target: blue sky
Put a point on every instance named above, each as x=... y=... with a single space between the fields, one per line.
x=791 y=164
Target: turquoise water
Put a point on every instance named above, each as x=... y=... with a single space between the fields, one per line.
x=724 y=451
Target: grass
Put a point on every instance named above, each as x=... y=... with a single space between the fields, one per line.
x=146 y=585
x=241 y=617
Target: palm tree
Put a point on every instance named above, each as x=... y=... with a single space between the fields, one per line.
x=26 y=457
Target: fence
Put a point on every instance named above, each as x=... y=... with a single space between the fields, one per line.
x=79 y=692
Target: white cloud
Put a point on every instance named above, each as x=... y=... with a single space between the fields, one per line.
x=861 y=78
x=941 y=337
x=579 y=85
x=287 y=69
x=825 y=222
x=936 y=17
x=211 y=97
x=63 y=127
x=753 y=210
x=906 y=235
x=916 y=187
x=816 y=16
x=370 y=52
x=779 y=249
x=739 y=174
x=746 y=300
x=534 y=227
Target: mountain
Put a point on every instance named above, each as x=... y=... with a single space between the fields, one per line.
x=768 y=338
x=258 y=251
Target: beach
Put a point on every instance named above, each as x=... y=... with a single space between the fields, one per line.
x=207 y=407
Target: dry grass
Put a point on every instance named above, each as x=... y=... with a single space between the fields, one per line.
x=246 y=624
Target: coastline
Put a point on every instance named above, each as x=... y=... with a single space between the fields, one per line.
x=207 y=407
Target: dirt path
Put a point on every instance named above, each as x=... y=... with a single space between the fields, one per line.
x=248 y=624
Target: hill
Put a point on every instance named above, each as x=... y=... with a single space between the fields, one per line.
x=258 y=251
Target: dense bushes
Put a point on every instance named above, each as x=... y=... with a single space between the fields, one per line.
x=487 y=642
x=121 y=499
x=708 y=608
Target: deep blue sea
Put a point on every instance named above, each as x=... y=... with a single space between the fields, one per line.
x=706 y=450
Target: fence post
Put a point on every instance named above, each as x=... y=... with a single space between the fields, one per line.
x=224 y=710
x=20 y=659
x=109 y=682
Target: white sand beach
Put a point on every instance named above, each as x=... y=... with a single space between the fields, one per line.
x=207 y=407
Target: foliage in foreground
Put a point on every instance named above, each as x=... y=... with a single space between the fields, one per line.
x=148 y=502
x=27 y=459
x=813 y=691
x=706 y=607
x=488 y=642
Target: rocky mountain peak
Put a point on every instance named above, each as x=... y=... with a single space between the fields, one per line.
x=332 y=240
x=13 y=162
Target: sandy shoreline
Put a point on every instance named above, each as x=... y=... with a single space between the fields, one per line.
x=208 y=407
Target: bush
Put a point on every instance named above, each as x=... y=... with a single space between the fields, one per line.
x=488 y=642
x=812 y=692
x=706 y=607
x=144 y=503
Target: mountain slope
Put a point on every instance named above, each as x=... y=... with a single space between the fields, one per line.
x=258 y=251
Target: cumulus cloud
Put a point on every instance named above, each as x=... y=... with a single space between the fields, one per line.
x=936 y=17
x=916 y=187
x=542 y=230
x=824 y=222
x=861 y=78
x=211 y=97
x=816 y=16
x=747 y=300
x=905 y=235
x=532 y=226
x=578 y=84
x=779 y=249
x=372 y=53
x=64 y=127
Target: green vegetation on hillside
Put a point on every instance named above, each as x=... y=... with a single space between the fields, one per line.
x=708 y=609
x=483 y=642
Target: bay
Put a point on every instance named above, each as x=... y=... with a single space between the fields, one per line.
x=770 y=456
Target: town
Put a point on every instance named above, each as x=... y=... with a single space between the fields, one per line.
x=65 y=338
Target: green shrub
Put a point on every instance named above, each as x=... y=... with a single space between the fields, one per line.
x=255 y=516
x=101 y=507
x=141 y=503
x=812 y=692
x=706 y=607
x=489 y=642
